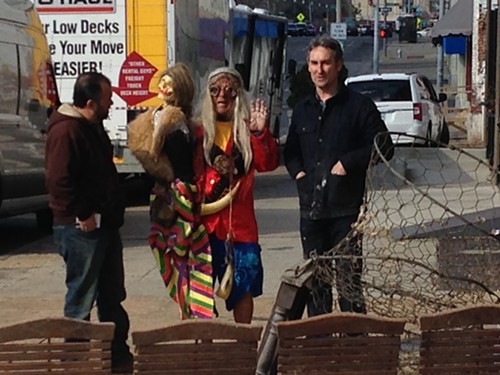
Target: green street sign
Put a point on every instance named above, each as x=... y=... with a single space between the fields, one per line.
x=300 y=17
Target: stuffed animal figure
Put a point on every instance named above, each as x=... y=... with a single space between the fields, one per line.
x=149 y=134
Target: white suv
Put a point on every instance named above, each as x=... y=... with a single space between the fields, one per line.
x=408 y=104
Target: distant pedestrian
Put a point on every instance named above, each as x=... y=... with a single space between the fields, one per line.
x=327 y=152
x=88 y=207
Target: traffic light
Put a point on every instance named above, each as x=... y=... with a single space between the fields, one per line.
x=382 y=33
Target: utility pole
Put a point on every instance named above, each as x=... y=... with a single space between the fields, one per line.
x=327 y=28
x=440 y=52
x=496 y=158
x=488 y=87
x=375 y=37
x=385 y=25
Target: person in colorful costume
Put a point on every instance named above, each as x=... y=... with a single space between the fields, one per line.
x=233 y=143
x=162 y=139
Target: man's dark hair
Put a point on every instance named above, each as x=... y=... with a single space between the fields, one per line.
x=88 y=87
x=328 y=42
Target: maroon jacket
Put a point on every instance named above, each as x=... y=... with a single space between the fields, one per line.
x=81 y=177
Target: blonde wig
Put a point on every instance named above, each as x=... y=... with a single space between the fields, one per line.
x=241 y=115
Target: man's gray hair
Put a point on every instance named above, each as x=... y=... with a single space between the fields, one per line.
x=328 y=42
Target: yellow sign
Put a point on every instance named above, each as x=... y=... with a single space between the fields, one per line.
x=300 y=17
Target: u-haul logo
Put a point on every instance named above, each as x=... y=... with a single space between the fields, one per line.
x=75 y=6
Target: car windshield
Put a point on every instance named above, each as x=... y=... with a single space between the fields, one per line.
x=384 y=90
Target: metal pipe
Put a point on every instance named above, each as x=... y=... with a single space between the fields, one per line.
x=440 y=53
x=269 y=345
x=375 y=38
x=497 y=100
x=384 y=42
x=338 y=9
x=487 y=85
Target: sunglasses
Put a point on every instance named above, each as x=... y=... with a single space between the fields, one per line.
x=228 y=91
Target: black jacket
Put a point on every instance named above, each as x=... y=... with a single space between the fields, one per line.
x=80 y=175
x=318 y=139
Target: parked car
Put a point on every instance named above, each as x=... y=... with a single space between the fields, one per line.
x=365 y=29
x=408 y=104
x=301 y=28
x=351 y=27
x=293 y=30
x=310 y=30
x=424 y=33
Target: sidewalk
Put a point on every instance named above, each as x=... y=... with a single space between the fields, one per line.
x=32 y=279
x=403 y=52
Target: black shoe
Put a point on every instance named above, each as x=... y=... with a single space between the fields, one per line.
x=123 y=365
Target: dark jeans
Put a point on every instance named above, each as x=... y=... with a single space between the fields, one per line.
x=321 y=236
x=94 y=273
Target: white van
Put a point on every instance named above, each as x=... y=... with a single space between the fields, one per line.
x=408 y=104
x=27 y=94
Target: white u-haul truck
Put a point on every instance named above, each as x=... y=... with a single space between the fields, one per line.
x=133 y=41
x=27 y=95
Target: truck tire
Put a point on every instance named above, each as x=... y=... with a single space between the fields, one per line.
x=428 y=137
x=44 y=220
x=444 y=137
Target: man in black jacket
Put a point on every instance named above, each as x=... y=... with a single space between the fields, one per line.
x=327 y=152
x=88 y=207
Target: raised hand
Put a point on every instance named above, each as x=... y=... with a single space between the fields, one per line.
x=258 y=116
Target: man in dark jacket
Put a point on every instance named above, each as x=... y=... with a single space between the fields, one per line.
x=88 y=207
x=327 y=152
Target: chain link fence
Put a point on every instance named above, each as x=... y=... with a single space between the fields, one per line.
x=429 y=231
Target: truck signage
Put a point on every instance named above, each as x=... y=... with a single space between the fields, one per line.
x=135 y=76
x=94 y=40
x=75 y=6
x=93 y=43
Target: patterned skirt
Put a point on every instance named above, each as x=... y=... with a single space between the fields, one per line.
x=183 y=255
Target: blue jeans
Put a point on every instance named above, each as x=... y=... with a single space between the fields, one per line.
x=94 y=273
